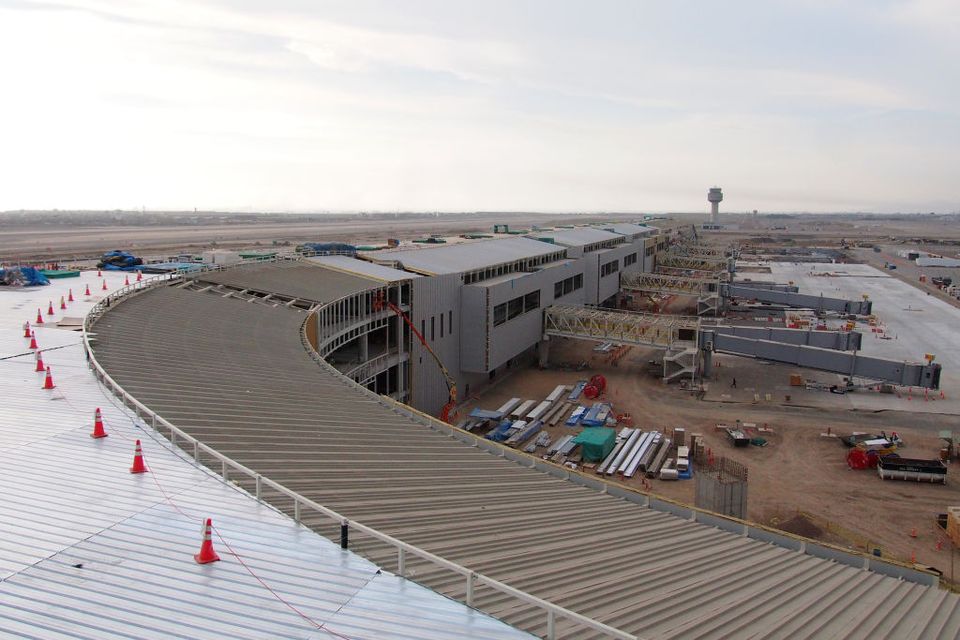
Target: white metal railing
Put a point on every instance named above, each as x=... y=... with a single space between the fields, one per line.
x=228 y=465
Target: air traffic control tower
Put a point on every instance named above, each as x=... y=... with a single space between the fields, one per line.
x=715 y=197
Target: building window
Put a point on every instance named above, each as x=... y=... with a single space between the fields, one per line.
x=629 y=259
x=423 y=328
x=609 y=268
x=432 y=326
x=531 y=301
x=648 y=251
x=516 y=307
x=441 y=325
x=499 y=314
x=568 y=285
x=450 y=322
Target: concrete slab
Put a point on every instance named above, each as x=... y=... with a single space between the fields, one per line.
x=915 y=323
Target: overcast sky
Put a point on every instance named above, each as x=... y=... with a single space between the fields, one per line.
x=553 y=105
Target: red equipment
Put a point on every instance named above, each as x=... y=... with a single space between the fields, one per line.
x=447 y=413
x=596 y=387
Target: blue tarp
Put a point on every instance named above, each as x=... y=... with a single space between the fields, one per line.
x=119 y=261
x=22 y=277
x=577 y=390
x=576 y=416
x=593 y=416
x=501 y=432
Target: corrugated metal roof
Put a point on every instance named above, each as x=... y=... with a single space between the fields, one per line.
x=630 y=229
x=466 y=256
x=295 y=278
x=88 y=550
x=363 y=268
x=262 y=401
x=579 y=236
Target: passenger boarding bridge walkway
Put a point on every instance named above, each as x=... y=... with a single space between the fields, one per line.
x=690 y=343
x=712 y=294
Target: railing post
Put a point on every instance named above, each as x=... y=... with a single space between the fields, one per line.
x=344 y=534
x=296 y=510
x=551 y=625
x=224 y=471
x=469 y=598
x=196 y=450
x=401 y=562
x=258 y=478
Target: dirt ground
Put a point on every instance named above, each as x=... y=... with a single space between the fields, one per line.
x=800 y=481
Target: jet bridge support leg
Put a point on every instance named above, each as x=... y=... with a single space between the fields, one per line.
x=543 y=351
x=706 y=366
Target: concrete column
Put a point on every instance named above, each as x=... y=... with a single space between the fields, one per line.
x=707 y=363
x=543 y=351
x=401 y=349
x=364 y=347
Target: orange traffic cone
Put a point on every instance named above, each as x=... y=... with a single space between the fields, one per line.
x=48 y=381
x=39 y=368
x=26 y=329
x=33 y=341
x=87 y=292
x=139 y=276
x=70 y=295
x=207 y=554
x=99 y=273
x=104 y=287
x=50 y=309
x=39 y=317
x=63 y=303
x=98 y=431
x=126 y=281
x=138 y=466
x=913 y=532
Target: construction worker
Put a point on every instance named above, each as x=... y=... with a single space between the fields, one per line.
x=733 y=385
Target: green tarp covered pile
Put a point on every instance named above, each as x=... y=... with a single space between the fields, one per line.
x=596 y=443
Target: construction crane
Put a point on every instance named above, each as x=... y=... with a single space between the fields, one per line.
x=447 y=413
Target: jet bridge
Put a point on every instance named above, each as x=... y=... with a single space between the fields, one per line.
x=716 y=264
x=689 y=343
x=705 y=288
x=712 y=293
x=801 y=300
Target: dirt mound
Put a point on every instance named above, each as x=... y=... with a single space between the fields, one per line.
x=802 y=526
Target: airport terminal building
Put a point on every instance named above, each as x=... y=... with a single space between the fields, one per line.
x=479 y=304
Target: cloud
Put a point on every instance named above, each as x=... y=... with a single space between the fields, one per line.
x=589 y=107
